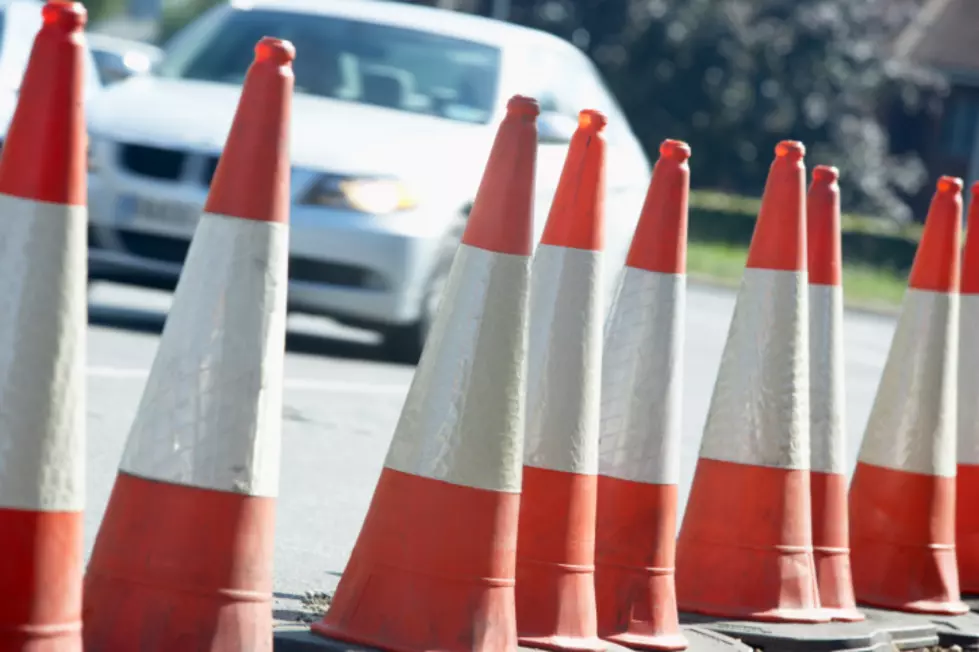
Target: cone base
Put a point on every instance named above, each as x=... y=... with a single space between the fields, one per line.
x=748 y=522
x=187 y=568
x=634 y=558
x=967 y=527
x=653 y=641
x=831 y=541
x=40 y=572
x=555 y=594
x=432 y=569
x=904 y=520
x=560 y=643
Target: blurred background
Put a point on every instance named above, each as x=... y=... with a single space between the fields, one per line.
x=887 y=90
x=398 y=102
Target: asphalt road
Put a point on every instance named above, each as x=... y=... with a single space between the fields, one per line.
x=341 y=405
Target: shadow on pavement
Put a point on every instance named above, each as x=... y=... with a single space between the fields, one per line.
x=151 y=322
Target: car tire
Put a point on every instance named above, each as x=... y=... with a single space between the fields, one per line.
x=405 y=343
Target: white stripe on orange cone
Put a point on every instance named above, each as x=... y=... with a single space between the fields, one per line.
x=42 y=344
x=441 y=529
x=748 y=513
x=189 y=529
x=902 y=498
x=967 y=472
x=556 y=542
x=639 y=449
x=830 y=526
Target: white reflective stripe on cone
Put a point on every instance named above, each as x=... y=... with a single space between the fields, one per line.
x=968 y=403
x=463 y=419
x=564 y=358
x=43 y=309
x=642 y=380
x=912 y=422
x=211 y=413
x=826 y=391
x=759 y=412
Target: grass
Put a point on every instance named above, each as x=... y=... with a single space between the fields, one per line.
x=723 y=202
x=863 y=287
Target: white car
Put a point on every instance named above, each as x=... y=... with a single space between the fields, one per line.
x=395 y=109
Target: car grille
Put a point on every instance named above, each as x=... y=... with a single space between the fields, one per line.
x=154 y=162
x=174 y=250
x=165 y=163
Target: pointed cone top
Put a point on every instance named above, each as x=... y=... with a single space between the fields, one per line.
x=577 y=217
x=501 y=218
x=660 y=241
x=252 y=177
x=824 y=235
x=936 y=263
x=44 y=154
x=970 y=258
x=779 y=241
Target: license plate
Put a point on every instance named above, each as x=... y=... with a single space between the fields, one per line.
x=155 y=214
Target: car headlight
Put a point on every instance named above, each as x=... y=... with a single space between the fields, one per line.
x=374 y=195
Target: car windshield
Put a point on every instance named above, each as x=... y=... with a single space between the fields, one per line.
x=369 y=63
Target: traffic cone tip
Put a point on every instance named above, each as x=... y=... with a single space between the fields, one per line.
x=521 y=105
x=675 y=150
x=501 y=218
x=252 y=178
x=937 y=261
x=947 y=184
x=779 y=239
x=276 y=50
x=576 y=219
x=791 y=149
x=825 y=174
x=69 y=17
x=659 y=243
x=592 y=121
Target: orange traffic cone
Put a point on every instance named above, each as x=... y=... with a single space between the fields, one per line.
x=902 y=498
x=830 y=526
x=433 y=566
x=184 y=553
x=967 y=473
x=639 y=449
x=42 y=336
x=556 y=540
x=748 y=511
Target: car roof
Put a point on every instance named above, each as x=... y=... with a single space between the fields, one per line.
x=401 y=14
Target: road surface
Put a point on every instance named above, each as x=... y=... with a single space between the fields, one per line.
x=341 y=405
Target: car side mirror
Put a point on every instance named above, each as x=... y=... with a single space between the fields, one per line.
x=555 y=128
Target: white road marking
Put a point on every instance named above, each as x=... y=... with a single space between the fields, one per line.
x=290 y=384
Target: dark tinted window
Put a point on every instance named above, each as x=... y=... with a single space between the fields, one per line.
x=369 y=63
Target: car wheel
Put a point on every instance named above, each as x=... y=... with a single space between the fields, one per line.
x=405 y=343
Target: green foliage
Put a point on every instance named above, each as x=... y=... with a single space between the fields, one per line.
x=729 y=220
x=734 y=77
x=100 y=9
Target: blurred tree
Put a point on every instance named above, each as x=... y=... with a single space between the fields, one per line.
x=100 y=9
x=733 y=77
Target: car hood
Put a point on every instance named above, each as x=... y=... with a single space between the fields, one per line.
x=327 y=135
